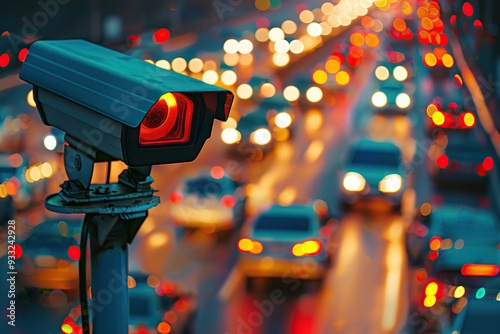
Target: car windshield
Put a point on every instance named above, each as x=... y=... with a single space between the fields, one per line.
x=53 y=244
x=204 y=187
x=253 y=120
x=378 y=158
x=278 y=223
x=139 y=306
x=470 y=230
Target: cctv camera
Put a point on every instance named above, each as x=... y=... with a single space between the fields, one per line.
x=124 y=107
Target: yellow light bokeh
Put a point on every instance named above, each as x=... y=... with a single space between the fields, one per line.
x=210 y=77
x=357 y=39
x=30 y=99
x=289 y=27
x=262 y=5
x=469 y=119
x=314 y=94
x=262 y=34
x=291 y=93
x=306 y=16
x=332 y=65
x=195 y=65
x=319 y=77
x=430 y=59
x=342 y=78
x=179 y=64
x=431 y=109
x=438 y=118
x=244 y=91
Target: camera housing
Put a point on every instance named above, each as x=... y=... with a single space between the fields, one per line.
x=124 y=107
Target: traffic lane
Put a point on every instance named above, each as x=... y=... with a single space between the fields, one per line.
x=288 y=188
x=276 y=180
x=362 y=292
x=366 y=290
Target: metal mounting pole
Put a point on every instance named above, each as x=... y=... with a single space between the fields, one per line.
x=114 y=214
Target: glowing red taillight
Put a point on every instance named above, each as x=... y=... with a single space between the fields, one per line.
x=488 y=163
x=74 y=253
x=18 y=251
x=432 y=293
x=228 y=201
x=308 y=247
x=480 y=270
x=175 y=197
x=442 y=161
x=168 y=121
x=246 y=245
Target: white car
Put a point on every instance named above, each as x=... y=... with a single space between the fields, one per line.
x=209 y=200
x=373 y=169
x=284 y=241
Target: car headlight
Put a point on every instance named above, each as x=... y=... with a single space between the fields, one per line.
x=382 y=73
x=50 y=142
x=354 y=182
x=400 y=73
x=379 y=99
x=391 y=183
x=230 y=136
x=283 y=120
x=260 y=136
x=403 y=100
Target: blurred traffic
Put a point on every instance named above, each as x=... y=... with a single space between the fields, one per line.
x=354 y=188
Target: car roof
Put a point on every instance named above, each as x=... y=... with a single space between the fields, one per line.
x=450 y=216
x=290 y=210
x=368 y=144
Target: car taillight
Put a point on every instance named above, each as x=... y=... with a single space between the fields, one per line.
x=467 y=120
x=74 y=253
x=168 y=121
x=246 y=245
x=480 y=270
x=18 y=251
x=432 y=292
x=228 y=201
x=442 y=161
x=69 y=326
x=488 y=163
x=435 y=243
x=175 y=197
x=309 y=247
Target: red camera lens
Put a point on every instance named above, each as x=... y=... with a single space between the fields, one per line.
x=168 y=121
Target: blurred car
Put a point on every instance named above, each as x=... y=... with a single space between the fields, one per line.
x=156 y=306
x=209 y=200
x=461 y=157
x=12 y=134
x=252 y=136
x=448 y=116
x=49 y=257
x=391 y=98
x=479 y=315
x=281 y=116
x=440 y=61
x=24 y=183
x=394 y=70
x=373 y=169
x=281 y=242
x=456 y=243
